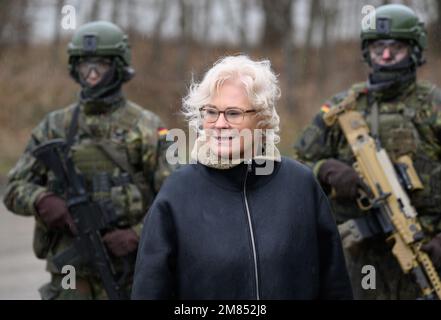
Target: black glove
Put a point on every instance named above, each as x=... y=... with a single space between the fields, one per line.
x=53 y=211
x=121 y=242
x=340 y=176
x=433 y=248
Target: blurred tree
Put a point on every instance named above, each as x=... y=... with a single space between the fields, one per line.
x=236 y=14
x=243 y=26
x=22 y=22
x=162 y=8
x=314 y=16
x=57 y=28
x=277 y=21
x=95 y=10
x=131 y=18
x=15 y=25
x=328 y=14
x=206 y=28
x=5 y=21
x=116 y=8
x=186 y=8
x=289 y=65
x=435 y=29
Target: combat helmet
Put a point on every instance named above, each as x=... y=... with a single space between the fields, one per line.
x=102 y=39
x=396 y=21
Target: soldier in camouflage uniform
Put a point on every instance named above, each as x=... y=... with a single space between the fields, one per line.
x=111 y=136
x=405 y=115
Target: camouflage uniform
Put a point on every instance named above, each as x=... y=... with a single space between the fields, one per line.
x=408 y=124
x=127 y=143
x=131 y=131
x=411 y=124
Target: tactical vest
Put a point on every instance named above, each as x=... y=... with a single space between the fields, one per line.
x=108 y=152
x=109 y=159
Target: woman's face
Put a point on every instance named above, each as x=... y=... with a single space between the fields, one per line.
x=234 y=115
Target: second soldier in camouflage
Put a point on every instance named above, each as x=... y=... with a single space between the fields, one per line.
x=114 y=141
x=405 y=115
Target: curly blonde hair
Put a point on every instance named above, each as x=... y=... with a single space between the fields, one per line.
x=258 y=79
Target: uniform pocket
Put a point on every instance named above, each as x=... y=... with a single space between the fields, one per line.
x=428 y=199
x=127 y=201
x=42 y=240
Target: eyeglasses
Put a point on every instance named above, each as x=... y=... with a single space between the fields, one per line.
x=394 y=46
x=232 y=115
x=85 y=67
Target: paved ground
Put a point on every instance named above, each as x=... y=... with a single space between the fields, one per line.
x=21 y=273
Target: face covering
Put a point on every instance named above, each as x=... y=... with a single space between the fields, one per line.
x=390 y=80
x=107 y=93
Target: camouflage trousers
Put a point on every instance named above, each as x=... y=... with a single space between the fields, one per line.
x=390 y=282
x=86 y=288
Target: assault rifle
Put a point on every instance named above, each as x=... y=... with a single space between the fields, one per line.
x=92 y=219
x=392 y=210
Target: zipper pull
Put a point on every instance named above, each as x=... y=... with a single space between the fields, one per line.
x=249 y=165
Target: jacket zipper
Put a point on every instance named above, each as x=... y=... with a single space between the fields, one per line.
x=251 y=232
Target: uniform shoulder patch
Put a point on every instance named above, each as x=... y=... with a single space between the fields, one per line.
x=162 y=131
x=325 y=108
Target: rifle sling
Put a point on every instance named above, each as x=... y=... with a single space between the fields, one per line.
x=375 y=120
x=73 y=128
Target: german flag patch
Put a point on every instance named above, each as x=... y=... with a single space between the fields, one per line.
x=162 y=131
x=325 y=108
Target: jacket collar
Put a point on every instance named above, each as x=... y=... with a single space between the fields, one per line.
x=234 y=178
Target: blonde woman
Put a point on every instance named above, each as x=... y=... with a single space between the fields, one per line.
x=243 y=222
